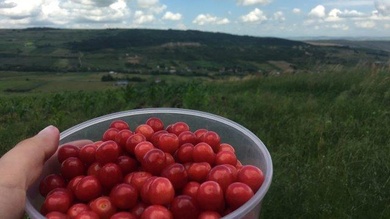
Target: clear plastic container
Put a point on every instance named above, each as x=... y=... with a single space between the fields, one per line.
x=249 y=148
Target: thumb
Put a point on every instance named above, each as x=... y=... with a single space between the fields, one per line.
x=23 y=164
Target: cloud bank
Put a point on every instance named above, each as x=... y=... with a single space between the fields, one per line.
x=254 y=17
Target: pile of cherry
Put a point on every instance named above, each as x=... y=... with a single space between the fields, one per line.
x=151 y=172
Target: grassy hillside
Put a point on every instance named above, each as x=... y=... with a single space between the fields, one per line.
x=381 y=45
x=327 y=133
x=163 y=51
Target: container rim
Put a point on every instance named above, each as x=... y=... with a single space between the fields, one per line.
x=244 y=209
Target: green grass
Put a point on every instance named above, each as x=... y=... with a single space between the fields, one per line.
x=32 y=83
x=327 y=133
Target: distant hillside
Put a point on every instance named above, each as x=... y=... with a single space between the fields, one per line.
x=119 y=39
x=382 y=45
x=167 y=51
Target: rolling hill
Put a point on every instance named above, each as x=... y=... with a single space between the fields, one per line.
x=169 y=51
x=381 y=45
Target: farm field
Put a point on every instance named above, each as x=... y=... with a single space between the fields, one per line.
x=190 y=53
x=327 y=132
x=19 y=82
x=30 y=83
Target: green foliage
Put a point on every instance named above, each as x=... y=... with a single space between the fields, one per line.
x=327 y=133
x=107 y=78
x=130 y=50
x=117 y=39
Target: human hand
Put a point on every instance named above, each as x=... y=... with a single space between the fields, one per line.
x=22 y=165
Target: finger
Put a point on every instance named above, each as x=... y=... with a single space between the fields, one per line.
x=79 y=143
x=22 y=165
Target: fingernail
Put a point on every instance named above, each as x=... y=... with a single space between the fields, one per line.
x=45 y=130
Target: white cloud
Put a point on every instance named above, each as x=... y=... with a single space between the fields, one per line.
x=152 y=6
x=256 y=15
x=329 y=15
x=347 y=3
x=339 y=26
x=296 y=11
x=376 y=16
x=18 y=9
x=334 y=15
x=204 y=19
x=140 y=17
x=172 y=16
x=223 y=21
x=119 y=5
x=94 y=3
x=338 y=15
x=19 y=22
x=6 y=4
x=157 y=9
x=252 y=2
x=52 y=11
x=340 y=19
x=309 y=22
x=86 y=11
x=317 y=12
x=383 y=7
x=365 y=24
x=78 y=13
x=346 y=20
x=279 y=16
x=147 y=3
x=351 y=14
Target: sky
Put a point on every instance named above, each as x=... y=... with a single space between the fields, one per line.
x=277 y=18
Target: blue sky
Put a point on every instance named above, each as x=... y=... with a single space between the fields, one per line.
x=279 y=18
